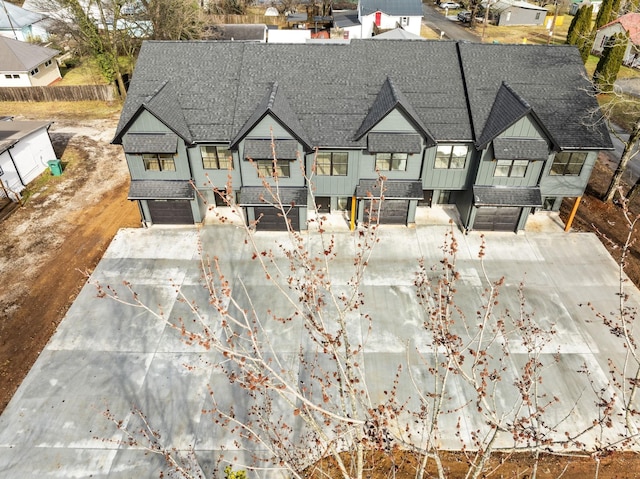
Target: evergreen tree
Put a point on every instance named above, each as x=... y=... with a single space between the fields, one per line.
x=580 y=25
x=604 y=14
x=610 y=62
x=615 y=10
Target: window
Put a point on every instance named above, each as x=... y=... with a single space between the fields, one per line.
x=451 y=157
x=47 y=63
x=266 y=168
x=511 y=168
x=538 y=16
x=8 y=76
x=568 y=164
x=404 y=21
x=216 y=158
x=159 y=162
x=391 y=161
x=331 y=164
x=34 y=71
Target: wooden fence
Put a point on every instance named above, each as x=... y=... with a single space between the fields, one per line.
x=251 y=18
x=59 y=93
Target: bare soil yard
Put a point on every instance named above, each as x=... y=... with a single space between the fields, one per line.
x=60 y=233
x=63 y=230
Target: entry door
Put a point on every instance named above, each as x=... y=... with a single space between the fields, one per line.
x=378 y=18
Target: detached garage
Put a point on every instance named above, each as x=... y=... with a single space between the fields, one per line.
x=163 y=202
x=501 y=208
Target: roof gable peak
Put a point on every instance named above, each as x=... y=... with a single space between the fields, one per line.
x=508 y=107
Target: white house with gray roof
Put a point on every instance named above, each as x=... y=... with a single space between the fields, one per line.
x=376 y=15
x=21 y=24
x=24 y=64
x=496 y=130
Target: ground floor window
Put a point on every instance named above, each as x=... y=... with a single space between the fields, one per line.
x=444 y=197
x=551 y=203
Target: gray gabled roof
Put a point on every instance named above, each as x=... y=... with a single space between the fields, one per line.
x=17 y=18
x=11 y=132
x=403 y=8
x=551 y=79
x=508 y=107
x=18 y=56
x=327 y=94
x=388 y=99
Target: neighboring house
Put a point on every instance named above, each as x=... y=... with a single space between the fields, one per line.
x=398 y=34
x=626 y=24
x=21 y=24
x=576 y=4
x=24 y=64
x=25 y=149
x=496 y=130
x=386 y=15
x=509 y=12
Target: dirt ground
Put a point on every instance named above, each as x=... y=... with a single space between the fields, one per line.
x=60 y=234
x=49 y=245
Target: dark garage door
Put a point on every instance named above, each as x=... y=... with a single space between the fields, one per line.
x=170 y=212
x=392 y=212
x=273 y=220
x=504 y=218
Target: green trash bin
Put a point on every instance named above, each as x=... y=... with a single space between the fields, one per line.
x=55 y=166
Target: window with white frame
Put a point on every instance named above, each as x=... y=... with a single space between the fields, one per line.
x=332 y=164
x=451 y=157
x=391 y=161
x=216 y=158
x=34 y=71
x=511 y=168
x=159 y=162
x=404 y=21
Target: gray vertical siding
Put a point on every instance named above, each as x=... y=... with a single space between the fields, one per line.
x=567 y=185
x=452 y=179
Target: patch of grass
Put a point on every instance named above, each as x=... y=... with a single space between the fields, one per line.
x=77 y=110
x=428 y=33
x=86 y=72
x=525 y=33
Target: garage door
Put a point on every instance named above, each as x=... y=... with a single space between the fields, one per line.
x=170 y=212
x=497 y=219
x=392 y=212
x=273 y=220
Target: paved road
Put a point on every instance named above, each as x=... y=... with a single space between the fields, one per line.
x=449 y=26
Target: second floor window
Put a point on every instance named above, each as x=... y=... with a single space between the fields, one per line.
x=159 y=162
x=451 y=157
x=333 y=164
x=267 y=168
x=568 y=164
x=216 y=158
x=511 y=168
x=391 y=161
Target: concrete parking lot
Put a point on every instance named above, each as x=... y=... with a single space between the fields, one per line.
x=106 y=355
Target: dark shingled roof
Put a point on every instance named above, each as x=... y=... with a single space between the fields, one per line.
x=260 y=196
x=391 y=189
x=263 y=149
x=507 y=108
x=215 y=89
x=507 y=196
x=160 y=190
x=551 y=79
x=392 y=7
x=515 y=149
x=394 y=143
x=150 y=143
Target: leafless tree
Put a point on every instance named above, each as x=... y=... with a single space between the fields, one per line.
x=312 y=408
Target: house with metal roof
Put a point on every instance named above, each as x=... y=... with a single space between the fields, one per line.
x=515 y=12
x=499 y=131
x=25 y=149
x=21 y=24
x=628 y=24
x=24 y=64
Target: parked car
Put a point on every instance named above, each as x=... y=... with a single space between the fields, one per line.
x=464 y=16
x=450 y=5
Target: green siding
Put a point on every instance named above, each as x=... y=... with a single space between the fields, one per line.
x=567 y=185
x=395 y=122
x=524 y=128
x=336 y=185
x=219 y=178
x=452 y=179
